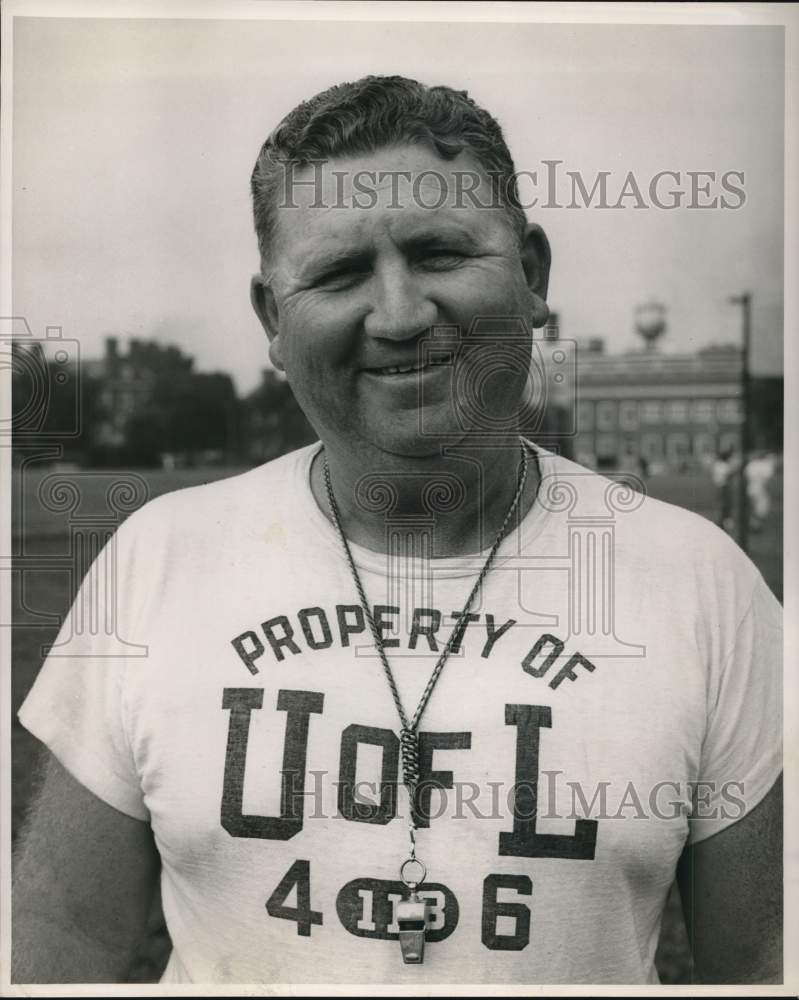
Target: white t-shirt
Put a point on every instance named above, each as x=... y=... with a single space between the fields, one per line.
x=720 y=472
x=759 y=472
x=621 y=649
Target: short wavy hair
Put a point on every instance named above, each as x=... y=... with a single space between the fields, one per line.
x=351 y=119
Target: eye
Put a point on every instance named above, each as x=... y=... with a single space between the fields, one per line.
x=442 y=258
x=340 y=279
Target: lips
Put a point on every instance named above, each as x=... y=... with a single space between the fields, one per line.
x=406 y=369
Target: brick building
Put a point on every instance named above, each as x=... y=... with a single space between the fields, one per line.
x=672 y=410
x=126 y=383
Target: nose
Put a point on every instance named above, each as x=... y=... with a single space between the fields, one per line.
x=401 y=308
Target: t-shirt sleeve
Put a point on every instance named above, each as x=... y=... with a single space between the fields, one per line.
x=77 y=704
x=742 y=750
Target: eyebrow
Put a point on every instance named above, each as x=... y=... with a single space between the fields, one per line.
x=430 y=240
x=323 y=262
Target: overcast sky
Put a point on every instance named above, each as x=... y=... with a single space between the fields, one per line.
x=134 y=141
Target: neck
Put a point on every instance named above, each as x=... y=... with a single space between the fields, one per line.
x=461 y=497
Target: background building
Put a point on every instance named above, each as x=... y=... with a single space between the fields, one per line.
x=673 y=411
x=660 y=412
x=151 y=408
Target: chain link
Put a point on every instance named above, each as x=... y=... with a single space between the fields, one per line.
x=409 y=738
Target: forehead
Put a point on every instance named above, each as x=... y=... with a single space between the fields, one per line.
x=397 y=192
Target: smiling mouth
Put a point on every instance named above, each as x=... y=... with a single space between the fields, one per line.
x=417 y=366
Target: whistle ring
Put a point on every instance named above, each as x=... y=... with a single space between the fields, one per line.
x=412 y=883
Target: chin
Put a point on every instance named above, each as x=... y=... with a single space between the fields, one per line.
x=410 y=447
x=416 y=443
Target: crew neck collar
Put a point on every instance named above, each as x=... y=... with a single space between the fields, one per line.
x=372 y=561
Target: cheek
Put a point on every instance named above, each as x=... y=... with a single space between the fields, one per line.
x=316 y=336
x=485 y=290
x=494 y=363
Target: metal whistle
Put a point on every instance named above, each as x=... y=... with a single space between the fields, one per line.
x=412 y=920
x=412 y=912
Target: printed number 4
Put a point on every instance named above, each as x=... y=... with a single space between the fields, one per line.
x=298 y=875
x=493 y=909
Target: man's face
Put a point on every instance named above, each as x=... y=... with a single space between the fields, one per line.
x=354 y=292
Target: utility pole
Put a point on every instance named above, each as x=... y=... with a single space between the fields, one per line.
x=745 y=302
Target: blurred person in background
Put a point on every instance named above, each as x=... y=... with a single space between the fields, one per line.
x=722 y=473
x=759 y=472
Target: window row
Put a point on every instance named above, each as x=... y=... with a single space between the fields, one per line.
x=672 y=445
x=628 y=414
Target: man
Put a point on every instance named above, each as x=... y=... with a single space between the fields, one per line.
x=722 y=474
x=413 y=609
x=759 y=472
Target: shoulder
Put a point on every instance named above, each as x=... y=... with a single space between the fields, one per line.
x=653 y=535
x=224 y=507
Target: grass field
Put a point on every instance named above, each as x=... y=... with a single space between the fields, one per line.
x=42 y=595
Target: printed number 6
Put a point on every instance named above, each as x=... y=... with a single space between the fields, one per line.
x=492 y=909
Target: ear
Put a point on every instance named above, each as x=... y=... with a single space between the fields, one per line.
x=263 y=302
x=536 y=259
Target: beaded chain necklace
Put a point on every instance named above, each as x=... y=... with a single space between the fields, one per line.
x=412 y=912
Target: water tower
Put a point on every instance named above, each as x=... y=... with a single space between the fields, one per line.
x=650 y=323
